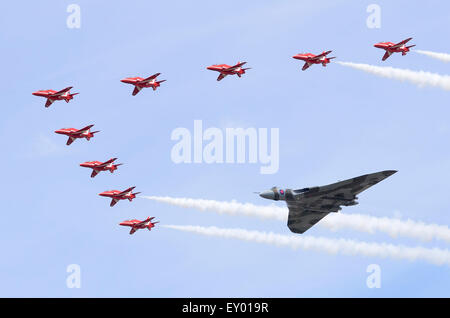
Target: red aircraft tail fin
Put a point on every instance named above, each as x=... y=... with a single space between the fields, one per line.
x=151 y=225
x=114 y=167
x=91 y=134
x=132 y=196
x=70 y=96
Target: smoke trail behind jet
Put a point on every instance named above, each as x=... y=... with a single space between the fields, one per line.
x=333 y=221
x=419 y=78
x=331 y=246
x=444 y=57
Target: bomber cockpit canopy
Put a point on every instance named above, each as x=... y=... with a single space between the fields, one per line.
x=298 y=191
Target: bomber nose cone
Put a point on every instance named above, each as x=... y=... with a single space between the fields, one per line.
x=268 y=194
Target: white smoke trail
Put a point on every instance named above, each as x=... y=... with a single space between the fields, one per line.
x=331 y=246
x=444 y=57
x=222 y=207
x=334 y=221
x=420 y=78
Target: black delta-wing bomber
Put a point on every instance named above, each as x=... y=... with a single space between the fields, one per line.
x=308 y=206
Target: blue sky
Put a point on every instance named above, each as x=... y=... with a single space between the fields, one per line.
x=335 y=123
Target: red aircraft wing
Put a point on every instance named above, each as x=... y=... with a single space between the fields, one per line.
x=69 y=141
x=61 y=91
x=133 y=229
x=221 y=76
x=401 y=43
x=145 y=221
x=321 y=55
x=305 y=66
x=126 y=191
x=235 y=66
x=386 y=55
x=150 y=78
x=113 y=202
x=107 y=162
x=136 y=90
x=82 y=130
x=49 y=102
x=94 y=173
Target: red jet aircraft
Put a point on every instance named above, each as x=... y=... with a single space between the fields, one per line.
x=225 y=69
x=310 y=59
x=390 y=48
x=52 y=95
x=137 y=225
x=98 y=166
x=140 y=82
x=77 y=133
x=117 y=195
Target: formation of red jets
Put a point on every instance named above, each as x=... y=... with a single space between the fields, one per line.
x=151 y=81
